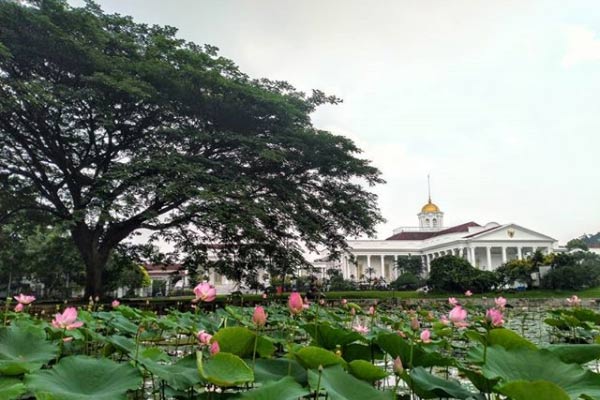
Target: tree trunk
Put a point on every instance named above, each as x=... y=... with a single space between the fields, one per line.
x=94 y=257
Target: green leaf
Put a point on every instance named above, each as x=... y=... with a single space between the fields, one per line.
x=366 y=371
x=575 y=353
x=82 y=377
x=508 y=339
x=541 y=365
x=341 y=386
x=224 y=369
x=11 y=388
x=181 y=375
x=396 y=346
x=268 y=370
x=312 y=357
x=283 y=389
x=429 y=386
x=23 y=351
x=535 y=390
x=329 y=337
x=239 y=340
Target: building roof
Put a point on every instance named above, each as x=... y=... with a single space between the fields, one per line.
x=426 y=235
x=163 y=269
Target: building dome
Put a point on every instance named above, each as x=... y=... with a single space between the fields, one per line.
x=430 y=208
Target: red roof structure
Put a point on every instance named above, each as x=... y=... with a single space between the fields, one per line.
x=426 y=235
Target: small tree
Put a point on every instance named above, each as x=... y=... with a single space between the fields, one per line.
x=455 y=274
x=577 y=244
x=409 y=264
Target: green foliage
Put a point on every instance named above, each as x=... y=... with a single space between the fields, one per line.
x=409 y=265
x=455 y=274
x=341 y=386
x=115 y=126
x=577 y=244
x=407 y=281
x=224 y=369
x=516 y=270
x=22 y=350
x=573 y=271
x=283 y=389
x=79 y=377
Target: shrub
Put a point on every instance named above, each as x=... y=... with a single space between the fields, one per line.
x=407 y=281
x=455 y=274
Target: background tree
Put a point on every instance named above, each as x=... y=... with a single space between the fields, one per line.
x=116 y=126
x=409 y=264
x=517 y=271
x=455 y=274
x=577 y=244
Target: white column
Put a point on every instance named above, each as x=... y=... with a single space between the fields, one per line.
x=503 y=254
x=383 y=266
x=548 y=250
x=368 y=266
x=472 y=255
x=395 y=266
x=488 y=251
x=519 y=253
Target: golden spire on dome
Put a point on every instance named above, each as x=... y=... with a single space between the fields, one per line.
x=429 y=207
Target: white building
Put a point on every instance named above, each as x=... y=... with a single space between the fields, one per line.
x=484 y=246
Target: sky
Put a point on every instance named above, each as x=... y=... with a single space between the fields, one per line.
x=498 y=101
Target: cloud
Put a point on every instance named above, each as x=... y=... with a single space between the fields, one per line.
x=582 y=46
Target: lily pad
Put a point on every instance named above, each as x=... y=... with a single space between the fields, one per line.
x=340 y=385
x=312 y=357
x=536 y=390
x=366 y=371
x=82 y=377
x=283 y=389
x=23 y=351
x=11 y=388
x=224 y=369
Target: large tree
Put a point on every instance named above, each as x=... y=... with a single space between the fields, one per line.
x=117 y=126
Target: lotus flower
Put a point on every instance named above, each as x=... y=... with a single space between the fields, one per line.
x=500 y=302
x=25 y=300
x=457 y=316
x=19 y=307
x=468 y=293
x=371 y=310
x=444 y=320
x=204 y=338
x=352 y=311
x=67 y=320
x=260 y=317
x=574 y=300
x=115 y=303
x=361 y=328
x=205 y=292
x=214 y=348
x=295 y=303
x=452 y=301
x=344 y=302
x=264 y=296
x=415 y=324
x=494 y=317
x=398 y=368
x=426 y=336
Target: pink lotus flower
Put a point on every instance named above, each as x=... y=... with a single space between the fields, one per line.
x=322 y=302
x=361 y=328
x=295 y=303
x=371 y=310
x=67 y=320
x=500 y=302
x=452 y=301
x=444 y=320
x=426 y=336
x=457 y=316
x=205 y=292
x=397 y=367
x=204 y=338
x=468 y=293
x=352 y=311
x=494 y=317
x=401 y=334
x=306 y=304
x=574 y=300
x=115 y=303
x=260 y=317
x=214 y=348
x=25 y=300
x=19 y=307
x=344 y=302
x=264 y=296
x=415 y=325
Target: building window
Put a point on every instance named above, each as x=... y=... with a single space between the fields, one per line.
x=434 y=222
x=427 y=222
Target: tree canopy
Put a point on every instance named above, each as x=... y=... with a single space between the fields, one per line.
x=112 y=126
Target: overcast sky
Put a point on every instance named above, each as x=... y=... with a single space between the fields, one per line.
x=498 y=100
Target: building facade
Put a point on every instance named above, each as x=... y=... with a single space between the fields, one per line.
x=484 y=246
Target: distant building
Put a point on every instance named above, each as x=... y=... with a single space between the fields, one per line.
x=484 y=246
